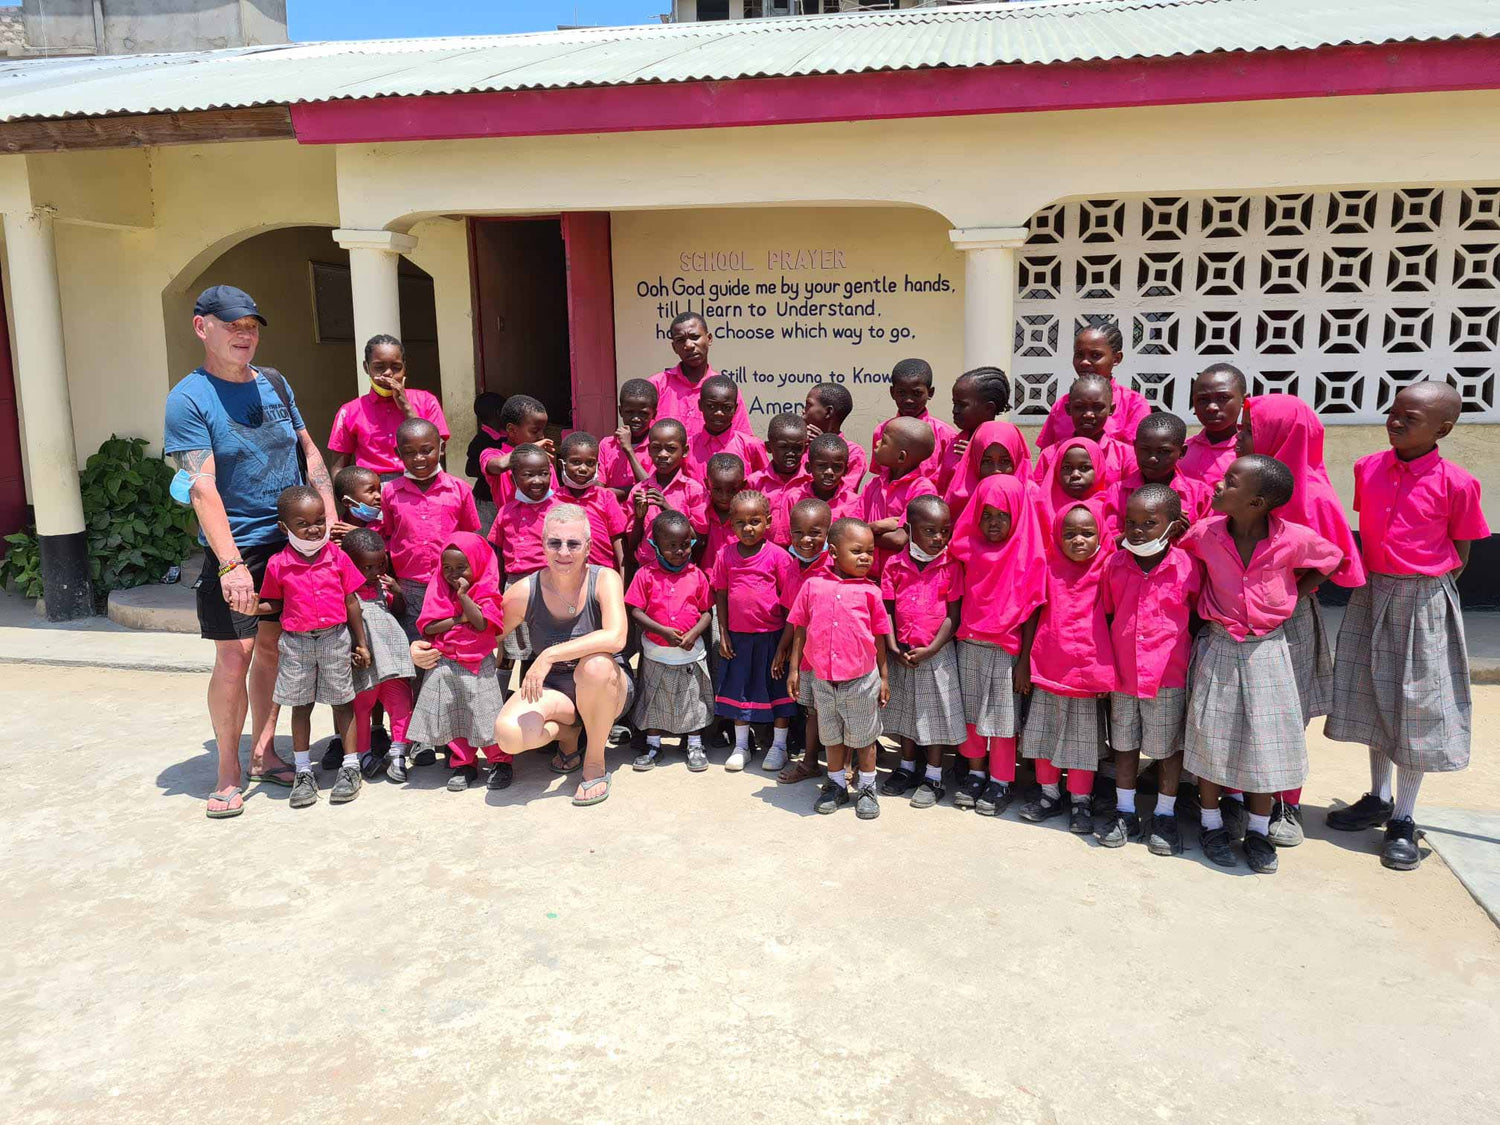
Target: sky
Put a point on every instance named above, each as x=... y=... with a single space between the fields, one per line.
x=384 y=19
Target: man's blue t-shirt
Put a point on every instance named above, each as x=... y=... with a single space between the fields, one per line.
x=253 y=438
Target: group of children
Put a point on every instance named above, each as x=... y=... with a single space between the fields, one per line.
x=1128 y=593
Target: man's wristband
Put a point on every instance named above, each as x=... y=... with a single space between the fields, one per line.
x=225 y=568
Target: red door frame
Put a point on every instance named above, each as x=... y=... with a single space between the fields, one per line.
x=12 y=479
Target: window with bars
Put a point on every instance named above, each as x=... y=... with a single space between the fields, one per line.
x=1339 y=296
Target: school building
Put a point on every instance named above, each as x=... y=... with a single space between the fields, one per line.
x=1307 y=188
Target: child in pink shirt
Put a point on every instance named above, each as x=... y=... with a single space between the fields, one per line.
x=460 y=699
x=386 y=680
x=1071 y=668
x=311 y=583
x=1069 y=472
x=825 y=410
x=979 y=396
x=999 y=543
x=677 y=387
x=904 y=446
x=524 y=421
x=580 y=483
x=912 y=390
x=517 y=533
x=923 y=589
x=784 y=474
x=1150 y=588
x=749 y=579
x=842 y=628
x=669 y=487
x=1401 y=676
x=1244 y=720
x=995 y=447
x=810 y=520
x=718 y=401
x=726 y=480
x=825 y=480
x=1097 y=350
x=1219 y=392
x=671 y=603
x=625 y=455
x=1090 y=405
x=1159 y=444
x=356 y=493
x=419 y=510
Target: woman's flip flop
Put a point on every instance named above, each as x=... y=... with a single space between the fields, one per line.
x=582 y=785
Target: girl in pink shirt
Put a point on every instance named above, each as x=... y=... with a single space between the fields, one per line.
x=1150 y=588
x=1218 y=396
x=460 y=698
x=356 y=492
x=669 y=487
x=581 y=483
x=1067 y=666
x=386 y=680
x=999 y=543
x=1244 y=720
x=625 y=456
x=1090 y=405
x=749 y=579
x=826 y=408
x=1401 y=677
x=671 y=603
x=979 y=396
x=1069 y=472
x=1097 y=350
x=364 y=430
x=996 y=447
x=810 y=520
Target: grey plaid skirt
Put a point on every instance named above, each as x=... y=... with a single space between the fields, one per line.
x=674 y=698
x=927 y=704
x=314 y=668
x=1152 y=726
x=1312 y=657
x=1068 y=732
x=1244 y=720
x=414 y=593
x=848 y=710
x=390 y=651
x=518 y=640
x=984 y=674
x=1401 y=680
x=457 y=703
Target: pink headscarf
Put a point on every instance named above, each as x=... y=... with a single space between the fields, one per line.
x=1049 y=466
x=1285 y=427
x=990 y=433
x=1003 y=582
x=1072 y=654
x=463 y=643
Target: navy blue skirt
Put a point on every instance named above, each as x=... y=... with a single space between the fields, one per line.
x=744 y=689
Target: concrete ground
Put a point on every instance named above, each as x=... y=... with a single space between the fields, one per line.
x=698 y=945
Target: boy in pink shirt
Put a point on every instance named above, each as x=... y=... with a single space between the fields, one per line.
x=826 y=408
x=1097 y=350
x=1150 y=589
x=718 y=401
x=726 y=480
x=979 y=396
x=625 y=455
x=826 y=480
x=911 y=388
x=677 y=387
x=580 y=483
x=1401 y=673
x=923 y=589
x=904 y=446
x=524 y=421
x=786 y=448
x=312 y=584
x=1158 y=449
x=1219 y=392
x=668 y=488
x=841 y=628
x=517 y=533
x=1244 y=721
x=810 y=520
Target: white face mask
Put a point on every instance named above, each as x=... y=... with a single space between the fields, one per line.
x=310 y=547
x=917 y=553
x=1148 y=549
x=429 y=476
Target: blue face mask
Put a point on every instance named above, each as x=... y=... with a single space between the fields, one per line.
x=665 y=565
x=365 y=513
x=181 y=488
x=805 y=559
x=523 y=498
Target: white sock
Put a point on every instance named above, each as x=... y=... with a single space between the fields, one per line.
x=1212 y=819
x=866 y=780
x=909 y=765
x=1125 y=800
x=1165 y=806
x=1261 y=824
x=351 y=760
x=1000 y=781
x=695 y=742
x=397 y=750
x=653 y=741
x=934 y=773
x=302 y=759
x=1408 y=782
x=979 y=774
x=1052 y=791
x=1380 y=775
x=1240 y=797
x=778 y=738
x=742 y=736
x=840 y=778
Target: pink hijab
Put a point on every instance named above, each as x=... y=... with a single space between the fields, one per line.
x=463 y=643
x=1049 y=468
x=1072 y=654
x=1003 y=582
x=1285 y=427
x=990 y=433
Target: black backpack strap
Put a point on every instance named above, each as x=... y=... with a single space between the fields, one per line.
x=283 y=392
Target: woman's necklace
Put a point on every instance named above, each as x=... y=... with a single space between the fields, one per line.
x=573 y=603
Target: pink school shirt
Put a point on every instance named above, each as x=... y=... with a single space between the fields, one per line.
x=1130 y=408
x=755 y=586
x=683 y=494
x=1197 y=498
x=778 y=491
x=517 y=531
x=365 y=428
x=614 y=466
x=607 y=519
x=1253 y=600
x=675 y=600
x=676 y=397
x=312 y=591
x=747 y=447
x=502 y=485
x=922 y=595
x=854 y=470
x=1205 y=460
x=720 y=534
x=1119 y=463
x=1151 y=610
x=842 y=617
x=942 y=436
x=1410 y=512
x=950 y=462
x=844 y=504
x=466 y=645
x=418 y=523
x=882 y=500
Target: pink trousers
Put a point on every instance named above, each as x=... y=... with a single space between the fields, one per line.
x=395 y=696
x=1080 y=782
x=461 y=752
x=1001 y=753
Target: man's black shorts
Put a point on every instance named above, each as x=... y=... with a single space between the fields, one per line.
x=216 y=621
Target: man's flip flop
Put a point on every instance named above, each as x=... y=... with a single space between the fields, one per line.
x=285 y=777
x=565 y=763
x=226 y=795
x=582 y=785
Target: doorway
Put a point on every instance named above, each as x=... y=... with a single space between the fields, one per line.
x=13 y=515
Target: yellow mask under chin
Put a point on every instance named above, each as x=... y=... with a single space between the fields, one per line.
x=383 y=392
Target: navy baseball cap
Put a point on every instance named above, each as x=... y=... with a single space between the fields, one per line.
x=227 y=303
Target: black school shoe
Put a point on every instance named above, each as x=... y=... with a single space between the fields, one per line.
x=500 y=776
x=1081 y=816
x=380 y=739
x=1216 y=847
x=1122 y=827
x=1043 y=808
x=425 y=756
x=994 y=800
x=1399 y=852
x=1165 y=837
x=1260 y=853
x=831 y=798
x=333 y=757
x=866 y=804
x=900 y=781
x=1367 y=812
x=461 y=778
x=969 y=792
x=346 y=785
x=928 y=794
x=1236 y=816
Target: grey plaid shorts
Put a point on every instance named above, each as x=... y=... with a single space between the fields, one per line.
x=314 y=667
x=848 y=710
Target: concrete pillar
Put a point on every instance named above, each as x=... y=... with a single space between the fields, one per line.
x=989 y=293
x=42 y=386
x=373 y=257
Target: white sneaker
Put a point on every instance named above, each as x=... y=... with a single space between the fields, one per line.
x=737 y=759
x=775 y=759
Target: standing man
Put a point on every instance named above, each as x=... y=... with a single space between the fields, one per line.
x=678 y=388
x=234 y=430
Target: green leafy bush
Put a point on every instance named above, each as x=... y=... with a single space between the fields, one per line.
x=135 y=529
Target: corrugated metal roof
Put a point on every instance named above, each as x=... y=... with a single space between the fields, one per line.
x=982 y=35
